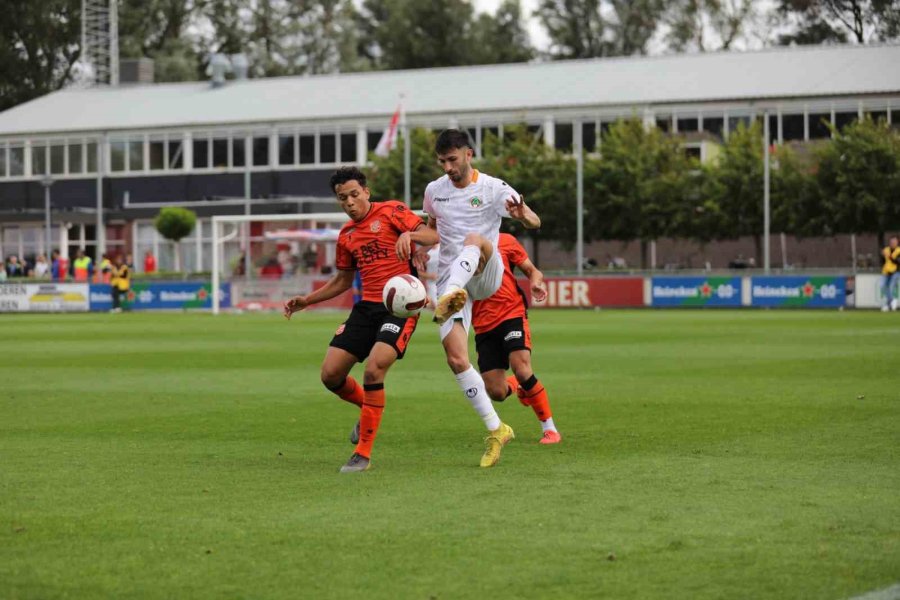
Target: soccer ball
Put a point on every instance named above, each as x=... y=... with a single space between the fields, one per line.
x=404 y=296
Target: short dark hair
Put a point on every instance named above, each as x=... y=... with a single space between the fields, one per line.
x=451 y=139
x=895 y=237
x=345 y=174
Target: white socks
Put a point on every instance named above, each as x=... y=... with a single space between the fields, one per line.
x=472 y=385
x=548 y=425
x=463 y=267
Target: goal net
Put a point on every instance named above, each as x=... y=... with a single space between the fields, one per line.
x=270 y=258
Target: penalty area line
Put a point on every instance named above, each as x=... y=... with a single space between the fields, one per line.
x=888 y=593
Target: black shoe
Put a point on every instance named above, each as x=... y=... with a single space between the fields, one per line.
x=357 y=463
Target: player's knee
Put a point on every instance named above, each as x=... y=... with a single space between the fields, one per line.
x=331 y=378
x=497 y=391
x=458 y=363
x=374 y=374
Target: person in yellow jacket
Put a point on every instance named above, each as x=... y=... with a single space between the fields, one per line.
x=890 y=273
x=120 y=282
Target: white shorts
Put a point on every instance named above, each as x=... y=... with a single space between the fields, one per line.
x=481 y=286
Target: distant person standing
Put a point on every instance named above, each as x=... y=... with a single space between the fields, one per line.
x=890 y=273
x=82 y=266
x=41 y=268
x=120 y=282
x=149 y=262
x=14 y=267
x=59 y=266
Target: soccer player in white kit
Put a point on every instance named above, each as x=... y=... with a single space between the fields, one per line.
x=466 y=208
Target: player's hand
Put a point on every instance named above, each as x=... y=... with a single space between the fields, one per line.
x=516 y=207
x=295 y=304
x=539 y=291
x=404 y=246
x=420 y=259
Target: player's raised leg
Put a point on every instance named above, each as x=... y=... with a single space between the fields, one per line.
x=335 y=376
x=477 y=250
x=472 y=385
x=531 y=393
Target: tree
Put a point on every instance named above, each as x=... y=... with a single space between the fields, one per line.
x=175 y=223
x=544 y=175
x=500 y=38
x=640 y=186
x=823 y=21
x=593 y=28
x=690 y=23
x=796 y=200
x=157 y=29
x=859 y=178
x=39 y=46
x=737 y=185
x=386 y=176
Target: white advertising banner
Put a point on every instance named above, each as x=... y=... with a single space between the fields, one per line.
x=44 y=297
x=868 y=291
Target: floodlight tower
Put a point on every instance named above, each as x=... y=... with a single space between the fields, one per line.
x=100 y=40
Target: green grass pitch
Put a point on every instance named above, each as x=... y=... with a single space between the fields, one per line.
x=706 y=454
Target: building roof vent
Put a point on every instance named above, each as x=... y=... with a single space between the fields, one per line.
x=219 y=66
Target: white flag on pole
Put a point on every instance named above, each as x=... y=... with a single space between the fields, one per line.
x=389 y=138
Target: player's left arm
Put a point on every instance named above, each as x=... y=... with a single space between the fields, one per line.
x=421 y=235
x=518 y=210
x=535 y=278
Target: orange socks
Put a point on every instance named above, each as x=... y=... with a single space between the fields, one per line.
x=350 y=391
x=370 y=418
x=535 y=396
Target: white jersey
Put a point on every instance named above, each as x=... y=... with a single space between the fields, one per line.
x=477 y=208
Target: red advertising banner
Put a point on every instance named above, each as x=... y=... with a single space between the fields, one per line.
x=586 y=292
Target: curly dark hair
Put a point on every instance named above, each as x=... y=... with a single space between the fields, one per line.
x=451 y=139
x=345 y=174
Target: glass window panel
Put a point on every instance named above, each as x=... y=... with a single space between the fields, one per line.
x=261 y=151
x=877 y=115
x=220 y=152
x=135 y=155
x=327 y=148
x=117 y=155
x=842 y=119
x=157 y=155
x=818 y=127
x=76 y=158
x=372 y=139
x=473 y=136
x=176 y=156
x=562 y=137
x=665 y=124
x=773 y=129
x=201 y=154
x=58 y=158
x=895 y=119
x=792 y=127
x=237 y=152
x=735 y=122
x=589 y=137
x=485 y=131
x=91 y=157
x=688 y=124
x=307 y=149
x=16 y=159
x=2 y=161
x=38 y=159
x=692 y=152
x=714 y=125
x=348 y=147
x=604 y=128
x=287 y=151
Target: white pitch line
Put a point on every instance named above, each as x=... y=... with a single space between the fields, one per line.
x=888 y=593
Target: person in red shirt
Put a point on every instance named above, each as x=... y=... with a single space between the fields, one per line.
x=372 y=242
x=149 y=262
x=503 y=337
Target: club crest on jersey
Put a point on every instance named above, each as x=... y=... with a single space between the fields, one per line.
x=475 y=202
x=375 y=227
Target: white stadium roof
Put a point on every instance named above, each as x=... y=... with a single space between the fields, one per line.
x=775 y=74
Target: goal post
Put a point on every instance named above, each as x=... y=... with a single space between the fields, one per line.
x=220 y=236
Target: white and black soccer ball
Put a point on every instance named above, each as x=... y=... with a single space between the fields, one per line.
x=404 y=296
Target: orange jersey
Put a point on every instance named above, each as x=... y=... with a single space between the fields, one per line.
x=508 y=302
x=369 y=245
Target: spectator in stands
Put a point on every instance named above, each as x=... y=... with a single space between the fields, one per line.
x=14 y=267
x=120 y=282
x=272 y=269
x=890 y=273
x=149 y=262
x=41 y=269
x=82 y=266
x=59 y=266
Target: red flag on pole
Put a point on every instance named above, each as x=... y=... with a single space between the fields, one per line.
x=389 y=137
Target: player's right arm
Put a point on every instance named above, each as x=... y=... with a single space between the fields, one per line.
x=337 y=285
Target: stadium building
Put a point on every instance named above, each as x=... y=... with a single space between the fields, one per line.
x=108 y=158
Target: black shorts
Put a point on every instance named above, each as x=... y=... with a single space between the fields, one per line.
x=495 y=346
x=370 y=322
